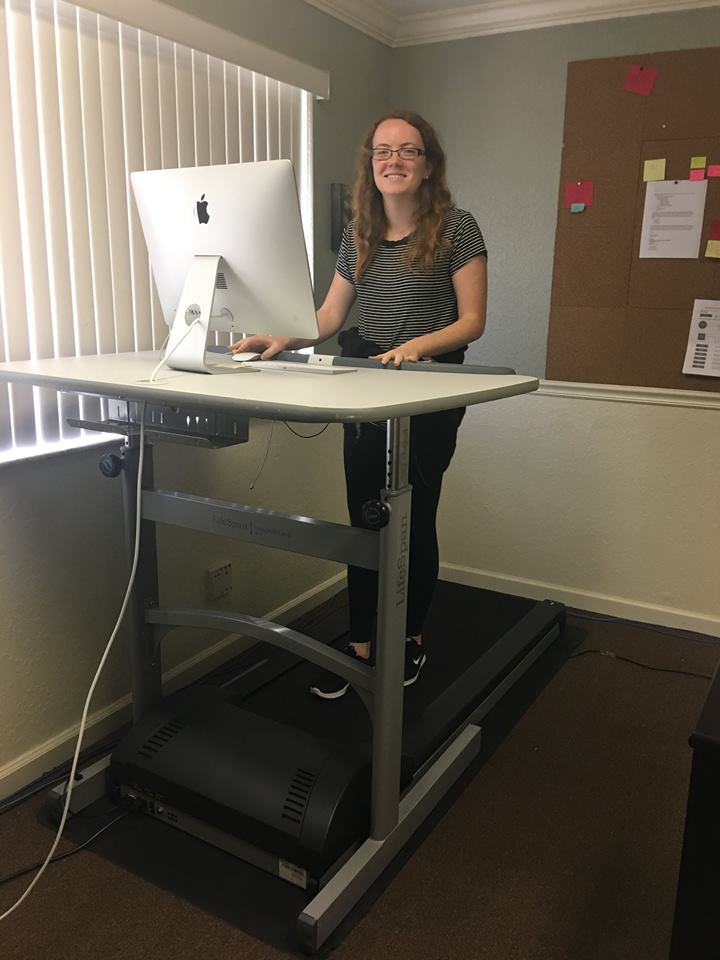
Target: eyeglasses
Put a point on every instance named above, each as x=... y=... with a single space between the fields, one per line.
x=405 y=153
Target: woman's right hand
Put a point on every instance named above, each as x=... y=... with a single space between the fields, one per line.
x=266 y=346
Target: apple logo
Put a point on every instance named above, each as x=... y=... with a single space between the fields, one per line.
x=202 y=213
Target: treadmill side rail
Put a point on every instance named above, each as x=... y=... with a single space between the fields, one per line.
x=329 y=907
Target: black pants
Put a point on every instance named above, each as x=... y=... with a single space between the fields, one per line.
x=432 y=444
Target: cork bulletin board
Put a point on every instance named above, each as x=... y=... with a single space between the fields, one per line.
x=616 y=318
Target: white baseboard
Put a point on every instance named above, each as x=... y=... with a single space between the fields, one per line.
x=31 y=765
x=607 y=605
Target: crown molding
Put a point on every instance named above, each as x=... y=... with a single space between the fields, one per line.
x=487 y=18
x=364 y=15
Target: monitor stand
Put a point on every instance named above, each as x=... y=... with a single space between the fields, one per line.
x=188 y=342
x=188 y=339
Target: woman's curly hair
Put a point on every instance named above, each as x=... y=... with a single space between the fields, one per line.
x=434 y=200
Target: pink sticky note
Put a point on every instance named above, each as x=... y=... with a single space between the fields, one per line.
x=697 y=174
x=578 y=191
x=714 y=230
x=640 y=79
x=713 y=170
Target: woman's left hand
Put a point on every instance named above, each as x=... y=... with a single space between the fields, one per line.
x=397 y=355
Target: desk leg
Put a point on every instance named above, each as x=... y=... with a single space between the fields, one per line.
x=387 y=713
x=145 y=655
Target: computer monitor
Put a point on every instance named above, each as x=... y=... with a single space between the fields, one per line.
x=227 y=252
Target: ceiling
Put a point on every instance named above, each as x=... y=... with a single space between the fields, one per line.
x=402 y=23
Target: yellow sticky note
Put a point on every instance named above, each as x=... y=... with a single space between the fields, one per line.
x=697 y=162
x=713 y=249
x=654 y=170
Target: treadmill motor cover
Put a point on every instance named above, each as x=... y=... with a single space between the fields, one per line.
x=299 y=797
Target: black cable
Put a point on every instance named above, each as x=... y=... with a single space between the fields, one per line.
x=267 y=451
x=68 y=853
x=306 y=436
x=645 y=666
x=301 y=435
x=25 y=793
x=669 y=631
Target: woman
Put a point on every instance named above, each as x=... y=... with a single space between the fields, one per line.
x=417 y=267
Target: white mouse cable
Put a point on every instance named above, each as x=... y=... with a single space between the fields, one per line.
x=71 y=778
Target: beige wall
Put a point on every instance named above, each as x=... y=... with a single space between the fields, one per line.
x=607 y=505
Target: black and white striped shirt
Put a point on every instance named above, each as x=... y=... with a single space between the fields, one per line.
x=397 y=303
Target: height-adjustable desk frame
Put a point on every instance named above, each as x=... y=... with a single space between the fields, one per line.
x=220 y=405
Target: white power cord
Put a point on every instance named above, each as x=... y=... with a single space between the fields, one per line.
x=83 y=722
x=167 y=356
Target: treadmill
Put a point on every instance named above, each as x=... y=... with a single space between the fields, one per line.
x=324 y=813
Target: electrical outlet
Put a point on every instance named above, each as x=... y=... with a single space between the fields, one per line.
x=218 y=580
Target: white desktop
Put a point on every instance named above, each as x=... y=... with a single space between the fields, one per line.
x=227 y=252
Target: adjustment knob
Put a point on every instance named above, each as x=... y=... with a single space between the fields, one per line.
x=375 y=514
x=111 y=465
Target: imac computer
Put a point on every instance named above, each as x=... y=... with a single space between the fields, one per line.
x=227 y=253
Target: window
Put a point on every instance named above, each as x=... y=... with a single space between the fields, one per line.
x=84 y=101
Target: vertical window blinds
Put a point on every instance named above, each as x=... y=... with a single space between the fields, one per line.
x=84 y=101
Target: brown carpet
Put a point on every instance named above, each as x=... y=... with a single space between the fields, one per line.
x=564 y=846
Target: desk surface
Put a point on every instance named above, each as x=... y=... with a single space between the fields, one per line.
x=361 y=395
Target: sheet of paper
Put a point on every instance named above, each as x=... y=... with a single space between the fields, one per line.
x=703 y=350
x=673 y=218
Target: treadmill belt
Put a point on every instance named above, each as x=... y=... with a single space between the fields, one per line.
x=463 y=622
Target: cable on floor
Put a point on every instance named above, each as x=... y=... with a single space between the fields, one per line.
x=68 y=853
x=616 y=656
x=669 y=631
